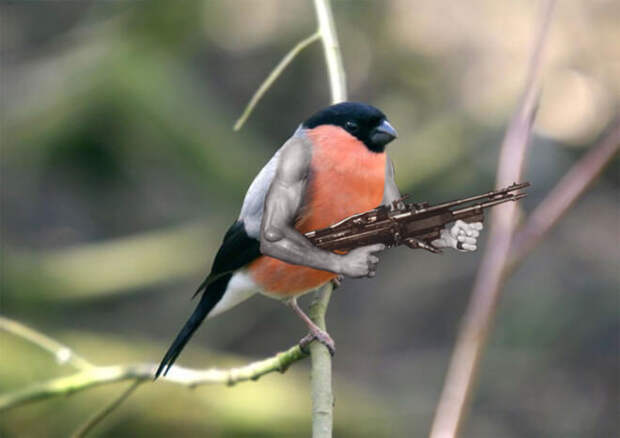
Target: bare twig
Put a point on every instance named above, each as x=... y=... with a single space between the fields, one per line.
x=103 y=375
x=105 y=411
x=275 y=73
x=62 y=353
x=331 y=47
x=327 y=34
x=322 y=396
x=564 y=194
x=460 y=379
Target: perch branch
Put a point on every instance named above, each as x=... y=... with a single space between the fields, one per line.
x=459 y=382
x=322 y=396
x=103 y=375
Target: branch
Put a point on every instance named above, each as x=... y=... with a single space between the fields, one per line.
x=564 y=194
x=275 y=73
x=322 y=396
x=62 y=353
x=103 y=375
x=107 y=410
x=331 y=47
x=327 y=34
x=458 y=386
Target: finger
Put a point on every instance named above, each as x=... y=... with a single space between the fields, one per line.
x=468 y=230
x=471 y=230
x=456 y=231
x=374 y=248
x=468 y=240
x=469 y=247
x=477 y=226
x=373 y=259
x=372 y=273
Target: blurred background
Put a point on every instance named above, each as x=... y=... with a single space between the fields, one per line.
x=121 y=172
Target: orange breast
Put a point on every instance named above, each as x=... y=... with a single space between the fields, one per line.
x=346 y=178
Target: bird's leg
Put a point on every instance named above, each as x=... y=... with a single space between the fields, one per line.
x=315 y=331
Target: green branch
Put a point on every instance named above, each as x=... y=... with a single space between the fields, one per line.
x=322 y=395
x=103 y=375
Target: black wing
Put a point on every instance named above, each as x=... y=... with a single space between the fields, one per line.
x=237 y=250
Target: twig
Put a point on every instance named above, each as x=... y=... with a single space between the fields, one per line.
x=322 y=396
x=62 y=353
x=275 y=73
x=564 y=194
x=331 y=47
x=105 y=411
x=102 y=375
x=333 y=58
x=465 y=360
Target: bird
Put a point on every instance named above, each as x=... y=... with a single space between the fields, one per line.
x=334 y=165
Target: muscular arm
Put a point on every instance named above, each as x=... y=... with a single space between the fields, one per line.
x=279 y=238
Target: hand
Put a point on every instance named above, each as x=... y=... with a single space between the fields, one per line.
x=360 y=262
x=399 y=204
x=462 y=236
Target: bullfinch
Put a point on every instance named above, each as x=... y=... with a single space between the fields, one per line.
x=333 y=166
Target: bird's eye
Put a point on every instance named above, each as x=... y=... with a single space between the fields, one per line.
x=351 y=126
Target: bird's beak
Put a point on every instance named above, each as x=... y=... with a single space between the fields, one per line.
x=383 y=134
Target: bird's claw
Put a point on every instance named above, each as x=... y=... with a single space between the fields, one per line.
x=321 y=336
x=399 y=204
x=337 y=281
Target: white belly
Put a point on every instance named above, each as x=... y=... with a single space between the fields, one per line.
x=240 y=288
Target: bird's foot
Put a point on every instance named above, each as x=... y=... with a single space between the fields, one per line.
x=319 y=335
x=337 y=281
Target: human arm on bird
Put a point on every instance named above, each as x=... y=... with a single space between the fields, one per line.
x=278 y=236
x=461 y=236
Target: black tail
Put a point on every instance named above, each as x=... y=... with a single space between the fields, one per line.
x=212 y=294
